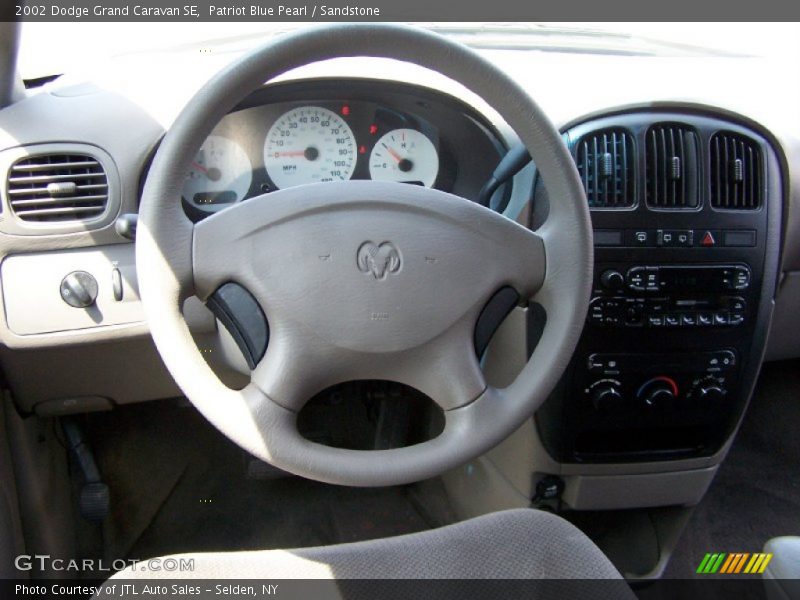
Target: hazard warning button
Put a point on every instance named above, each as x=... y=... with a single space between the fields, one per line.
x=708 y=239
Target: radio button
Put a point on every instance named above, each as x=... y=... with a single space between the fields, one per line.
x=651 y=279
x=721 y=318
x=672 y=320
x=655 y=321
x=705 y=319
x=737 y=305
x=741 y=279
x=735 y=319
x=736 y=278
x=657 y=305
x=689 y=319
x=636 y=279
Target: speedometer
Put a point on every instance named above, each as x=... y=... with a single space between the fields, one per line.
x=309 y=144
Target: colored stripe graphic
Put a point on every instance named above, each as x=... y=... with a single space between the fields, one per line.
x=764 y=564
x=704 y=563
x=741 y=562
x=734 y=563
x=711 y=563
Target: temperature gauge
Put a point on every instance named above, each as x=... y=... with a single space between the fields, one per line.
x=405 y=156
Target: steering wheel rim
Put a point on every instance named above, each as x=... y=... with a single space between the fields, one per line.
x=168 y=246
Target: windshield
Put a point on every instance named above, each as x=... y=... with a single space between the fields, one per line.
x=53 y=48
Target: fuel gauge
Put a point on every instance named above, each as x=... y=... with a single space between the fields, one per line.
x=405 y=156
x=220 y=174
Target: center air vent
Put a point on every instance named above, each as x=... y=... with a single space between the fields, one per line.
x=606 y=165
x=735 y=172
x=671 y=167
x=57 y=187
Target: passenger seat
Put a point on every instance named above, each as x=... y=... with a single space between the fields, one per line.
x=782 y=576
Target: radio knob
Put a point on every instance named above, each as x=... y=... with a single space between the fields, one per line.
x=612 y=279
x=659 y=392
x=606 y=397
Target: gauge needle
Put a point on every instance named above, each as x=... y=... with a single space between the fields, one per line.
x=199 y=167
x=404 y=164
x=397 y=158
x=293 y=153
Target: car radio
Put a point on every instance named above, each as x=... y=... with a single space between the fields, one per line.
x=672 y=296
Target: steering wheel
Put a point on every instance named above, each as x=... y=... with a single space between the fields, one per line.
x=364 y=279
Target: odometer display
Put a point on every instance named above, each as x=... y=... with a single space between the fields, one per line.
x=309 y=144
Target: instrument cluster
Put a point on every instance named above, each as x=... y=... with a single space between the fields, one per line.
x=259 y=149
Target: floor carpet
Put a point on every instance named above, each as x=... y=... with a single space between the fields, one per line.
x=178 y=485
x=756 y=493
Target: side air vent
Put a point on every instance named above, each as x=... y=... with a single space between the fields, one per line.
x=57 y=187
x=736 y=172
x=671 y=167
x=606 y=165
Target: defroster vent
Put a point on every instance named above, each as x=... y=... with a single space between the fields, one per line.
x=736 y=172
x=672 y=178
x=606 y=165
x=57 y=187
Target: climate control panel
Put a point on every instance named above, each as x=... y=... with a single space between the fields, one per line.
x=653 y=383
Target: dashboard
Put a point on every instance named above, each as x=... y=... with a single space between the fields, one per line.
x=617 y=410
x=310 y=132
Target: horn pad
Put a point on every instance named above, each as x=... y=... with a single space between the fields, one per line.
x=368 y=266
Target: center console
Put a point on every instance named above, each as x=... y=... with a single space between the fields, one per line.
x=685 y=210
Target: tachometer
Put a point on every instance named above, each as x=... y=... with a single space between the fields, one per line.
x=405 y=156
x=220 y=174
x=307 y=145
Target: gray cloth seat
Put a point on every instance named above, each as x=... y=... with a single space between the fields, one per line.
x=513 y=544
x=782 y=575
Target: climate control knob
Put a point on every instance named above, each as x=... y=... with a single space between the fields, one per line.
x=658 y=392
x=709 y=390
x=606 y=396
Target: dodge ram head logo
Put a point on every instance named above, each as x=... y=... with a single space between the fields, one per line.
x=378 y=259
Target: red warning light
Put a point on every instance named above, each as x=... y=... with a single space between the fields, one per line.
x=345 y=110
x=362 y=149
x=373 y=129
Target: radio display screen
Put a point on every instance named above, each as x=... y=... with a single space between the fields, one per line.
x=708 y=279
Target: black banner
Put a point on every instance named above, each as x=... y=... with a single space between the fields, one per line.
x=741 y=587
x=391 y=10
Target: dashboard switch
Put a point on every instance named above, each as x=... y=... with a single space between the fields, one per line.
x=116 y=284
x=79 y=289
